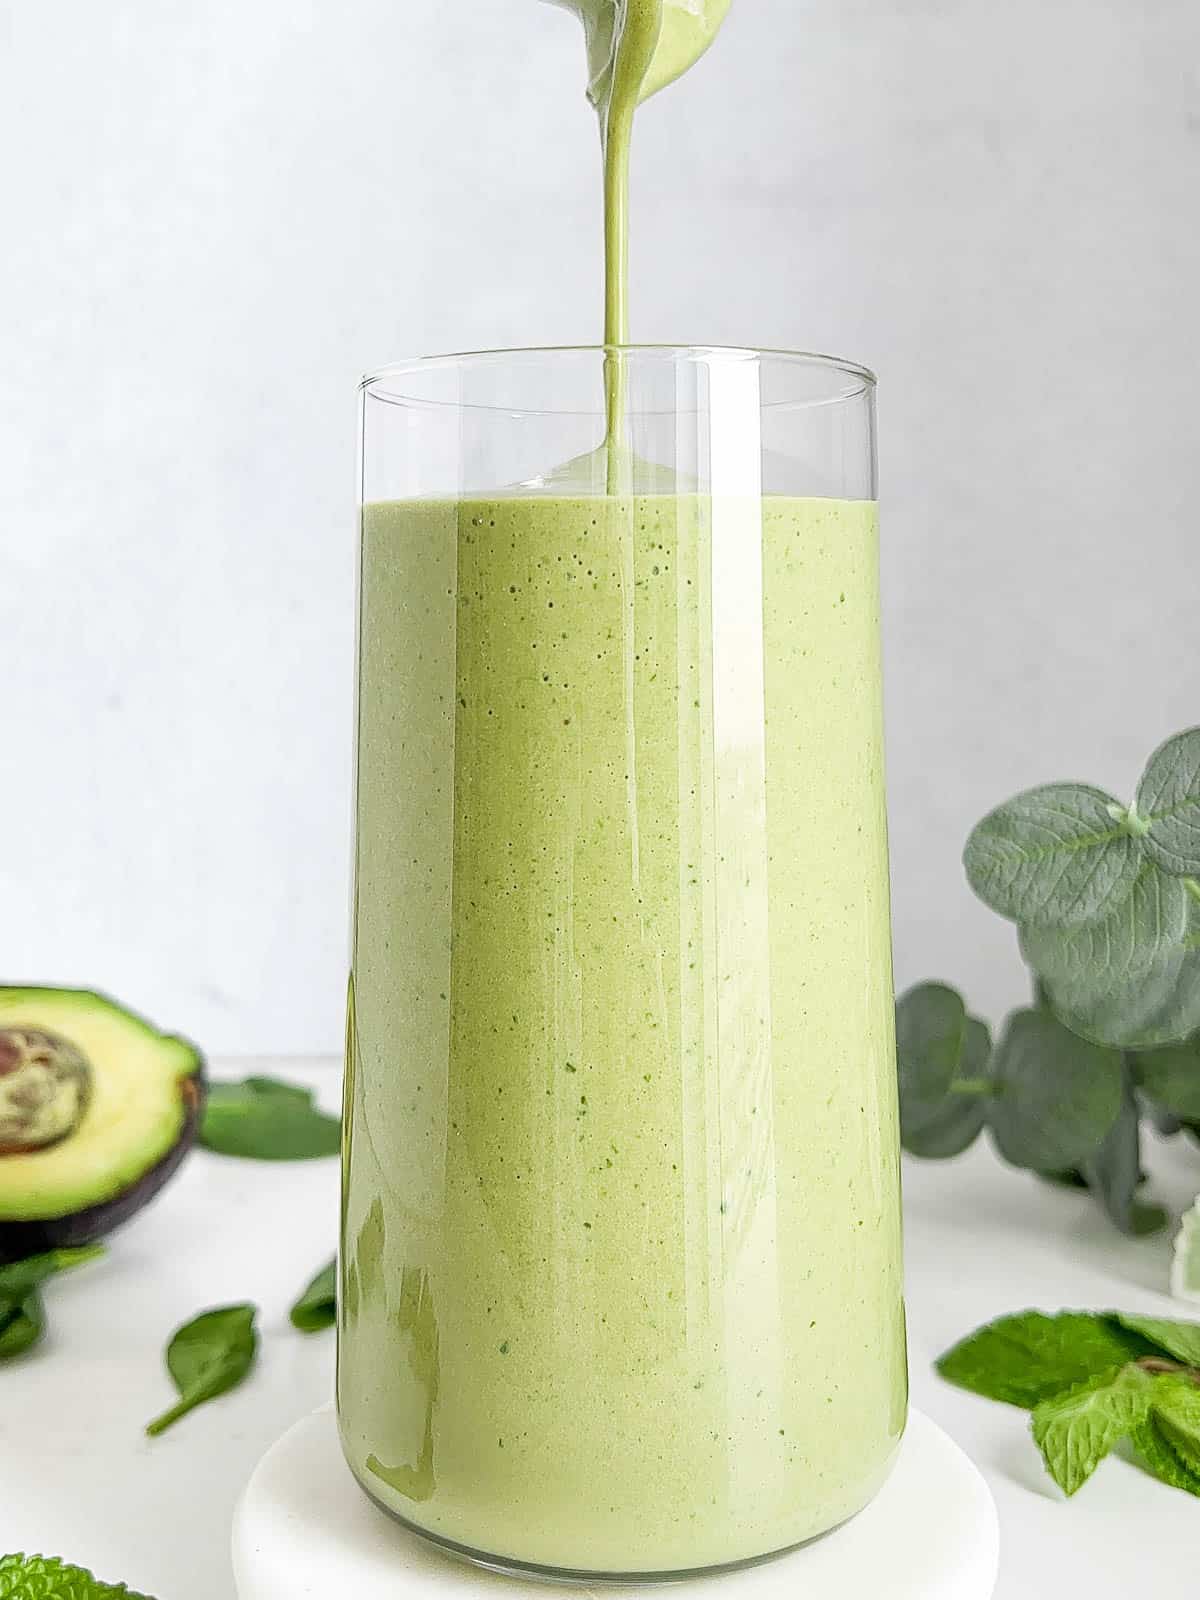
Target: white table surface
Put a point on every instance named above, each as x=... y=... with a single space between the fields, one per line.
x=79 y=1479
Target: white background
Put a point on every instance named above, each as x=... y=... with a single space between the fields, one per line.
x=217 y=214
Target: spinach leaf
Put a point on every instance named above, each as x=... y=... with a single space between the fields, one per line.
x=317 y=1306
x=208 y=1356
x=267 y=1120
x=22 y=1314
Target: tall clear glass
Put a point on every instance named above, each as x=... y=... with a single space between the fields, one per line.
x=620 y=1267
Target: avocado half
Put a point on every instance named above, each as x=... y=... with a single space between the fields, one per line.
x=97 y=1109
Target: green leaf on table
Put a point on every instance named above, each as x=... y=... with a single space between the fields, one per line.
x=1077 y=1429
x=1087 y=963
x=208 y=1356
x=1168 y=804
x=1160 y=1457
x=1171 y=1078
x=48 y=1578
x=18 y=1278
x=1031 y=1357
x=22 y=1314
x=1177 y=1412
x=317 y=1306
x=1178 y=1339
x=1057 y=1095
x=1114 y=1174
x=267 y=1120
x=22 y=1325
x=1061 y=855
x=276 y=1087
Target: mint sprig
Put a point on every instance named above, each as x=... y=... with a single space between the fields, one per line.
x=1180 y=1340
x=1031 y=1357
x=47 y=1578
x=1076 y=1430
x=1091 y=1380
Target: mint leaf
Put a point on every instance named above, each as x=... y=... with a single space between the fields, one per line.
x=317 y=1306
x=1076 y=1430
x=1171 y=1078
x=1177 y=1412
x=1057 y=1095
x=1059 y=855
x=1087 y=963
x=1161 y=1458
x=1168 y=804
x=1114 y=1173
x=267 y=1120
x=207 y=1357
x=1178 y=1339
x=47 y=1578
x=1031 y=1357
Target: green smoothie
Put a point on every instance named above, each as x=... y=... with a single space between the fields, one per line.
x=621 y=1264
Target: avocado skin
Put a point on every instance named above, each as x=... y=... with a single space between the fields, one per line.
x=21 y=1239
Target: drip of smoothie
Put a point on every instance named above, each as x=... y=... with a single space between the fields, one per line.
x=635 y=47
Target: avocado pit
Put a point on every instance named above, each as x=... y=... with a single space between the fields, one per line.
x=97 y=1110
x=45 y=1087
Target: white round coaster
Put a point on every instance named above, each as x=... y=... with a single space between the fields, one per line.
x=304 y=1530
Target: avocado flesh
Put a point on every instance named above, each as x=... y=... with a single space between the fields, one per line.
x=144 y=1105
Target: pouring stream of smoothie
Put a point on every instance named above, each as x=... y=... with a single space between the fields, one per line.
x=635 y=47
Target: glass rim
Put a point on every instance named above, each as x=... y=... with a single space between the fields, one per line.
x=861 y=380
